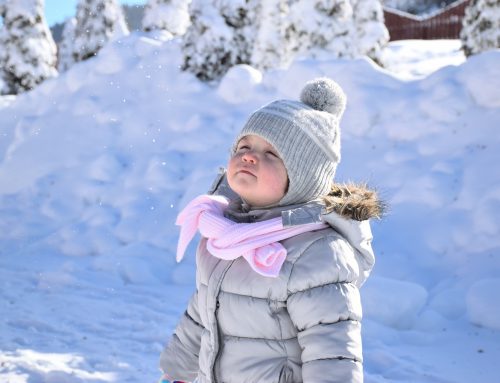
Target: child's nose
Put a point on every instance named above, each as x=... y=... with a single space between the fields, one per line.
x=250 y=157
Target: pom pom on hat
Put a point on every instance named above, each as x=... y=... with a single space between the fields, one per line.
x=325 y=95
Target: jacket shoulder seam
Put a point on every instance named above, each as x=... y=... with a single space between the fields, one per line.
x=267 y=299
x=334 y=358
x=322 y=285
x=330 y=323
x=259 y=339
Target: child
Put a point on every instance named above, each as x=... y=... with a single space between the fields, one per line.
x=280 y=264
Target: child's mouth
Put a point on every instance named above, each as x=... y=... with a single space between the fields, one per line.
x=247 y=172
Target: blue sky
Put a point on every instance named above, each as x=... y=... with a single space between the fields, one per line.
x=58 y=10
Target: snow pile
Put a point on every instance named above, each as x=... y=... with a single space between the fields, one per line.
x=95 y=165
x=246 y=79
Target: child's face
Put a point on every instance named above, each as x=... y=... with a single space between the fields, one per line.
x=256 y=172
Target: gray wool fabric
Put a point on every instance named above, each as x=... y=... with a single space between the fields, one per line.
x=306 y=134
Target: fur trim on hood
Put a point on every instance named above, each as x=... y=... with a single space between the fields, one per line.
x=354 y=201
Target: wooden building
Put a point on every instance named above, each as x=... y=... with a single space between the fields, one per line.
x=444 y=24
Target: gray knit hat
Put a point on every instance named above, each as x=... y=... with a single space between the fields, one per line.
x=306 y=135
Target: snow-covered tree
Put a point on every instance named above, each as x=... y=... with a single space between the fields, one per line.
x=241 y=17
x=221 y=35
x=468 y=34
x=481 y=27
x=270 y=33
x=97 y=23
x=3 y=85
x=27 y=50
x=65 y=54
x=318 y=26
x=370 y=32
x=169 y=15
x=208 y=46
x=269 y=50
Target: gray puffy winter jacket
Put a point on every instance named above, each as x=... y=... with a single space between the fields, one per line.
x=303 y=326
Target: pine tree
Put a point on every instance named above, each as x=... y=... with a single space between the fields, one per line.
x=316 y=26
x=370 y=32
x=27 y=50
x=269 y=50
x=65 y=54
x=169 y=15
x=97 y=23
x=221 y=35
x=481 y=27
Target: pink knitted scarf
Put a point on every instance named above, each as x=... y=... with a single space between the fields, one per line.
x=258 y=242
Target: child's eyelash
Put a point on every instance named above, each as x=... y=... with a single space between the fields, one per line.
x=245 y=147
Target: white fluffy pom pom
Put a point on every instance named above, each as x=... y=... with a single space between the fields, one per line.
x=324 y=94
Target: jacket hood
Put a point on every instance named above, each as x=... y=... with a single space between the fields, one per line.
x=347 y=209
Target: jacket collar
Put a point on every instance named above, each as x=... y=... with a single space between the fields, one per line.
x=241 y=212
x=291 y=215
x=348 y=212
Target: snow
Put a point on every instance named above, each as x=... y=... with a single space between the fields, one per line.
x=480 y=85
x=270 y=48
x=98 y=22
x=95 y=165
x=65 y=49
x=411 y=59
x=480 y=32
x=172 y=16
x=238 y=84
x=393 y=303
x=482 y=303
x=32 y=57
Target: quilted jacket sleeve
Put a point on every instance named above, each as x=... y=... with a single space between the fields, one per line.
x=325 y=307
x=179 y=358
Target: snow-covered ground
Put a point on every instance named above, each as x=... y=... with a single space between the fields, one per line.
x=95 y=165
x=414 y=59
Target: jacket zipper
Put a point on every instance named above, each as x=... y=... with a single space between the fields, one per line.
x=218 y=337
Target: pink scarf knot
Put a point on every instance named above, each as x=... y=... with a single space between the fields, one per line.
x=257 y=242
